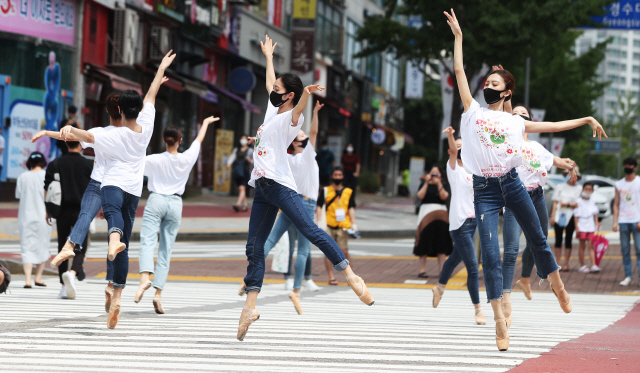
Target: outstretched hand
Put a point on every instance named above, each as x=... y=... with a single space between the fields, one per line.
x=167 y=60
x=210 y=120
x=597 y=129
x=164 y=80
x=313 y=88
x=496 y=68
x=452 y=21
x=38 y=136
x=268 y=46
x=318 y=106
x=449 y=131
x=64 y=132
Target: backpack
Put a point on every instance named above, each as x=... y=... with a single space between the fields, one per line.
x=54 y=197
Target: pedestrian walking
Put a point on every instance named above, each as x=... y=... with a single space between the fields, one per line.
x=586 y=220
x=74 y=173
x=565 y=200
x=91 y=201
x=432 y=234
x=462 y=228
x=33 y=221
x=276 y=187
x=626 y=217
x=240 y=162
x=125 y=149
x=340 y=215
x=168 y=174
x=351 y=164
x=492 y=140
x=326 y=163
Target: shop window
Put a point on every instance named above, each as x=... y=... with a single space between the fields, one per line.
x=374 y=68
x=353 y=47
x=329 y=30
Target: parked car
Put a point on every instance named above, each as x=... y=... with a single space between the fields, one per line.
x=603 y=192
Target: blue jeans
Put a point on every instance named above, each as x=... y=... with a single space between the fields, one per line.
x=626 y=230
x=491 y=194
x=89 y=208
x=164 y=213
x=269 y=197
x=303 y=260
x=511 y=237
x=463 y=251
x=293 y=234
x=119 y=208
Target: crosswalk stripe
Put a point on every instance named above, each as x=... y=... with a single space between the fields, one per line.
x=401 y=332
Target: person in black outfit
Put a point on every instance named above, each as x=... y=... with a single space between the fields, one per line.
x=432 y=234
x=75 y=174
x=71 y=119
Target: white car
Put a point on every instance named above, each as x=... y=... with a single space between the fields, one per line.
x=603 y=192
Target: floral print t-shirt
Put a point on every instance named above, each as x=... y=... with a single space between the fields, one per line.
x=536 y=163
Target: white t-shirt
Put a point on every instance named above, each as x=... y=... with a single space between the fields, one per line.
x=272 y=140
x=306 y=172
x=124 y=151
x=585 y=213
x=99 y=159
x=461 y=196
x=566 y=193
x=2 y=147
x=536 y=163
x=492 y=141
x=168 y=173
x=629 y=192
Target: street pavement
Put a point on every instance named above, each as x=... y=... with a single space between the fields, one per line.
x=336 y=332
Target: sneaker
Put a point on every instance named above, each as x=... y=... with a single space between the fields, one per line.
x=584 y=269
x=626 y=281
x=595 y=269
x=63 y=293
x=69 y=284
x=288 y=284
x=311 y=286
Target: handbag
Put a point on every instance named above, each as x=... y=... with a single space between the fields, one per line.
x=53 y=200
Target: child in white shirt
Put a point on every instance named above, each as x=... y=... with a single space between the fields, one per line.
x=586 y=220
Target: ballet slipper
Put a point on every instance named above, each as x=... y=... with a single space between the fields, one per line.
x=480 y=320
x=526 y=288
x=241 y=289
x=358 y=286
x=502 y=329
x=108 y=294
x=247 y=317
x=116 y=249
x=295 y=298
x=565 y=304
x=63 y=255
x=114 y=314
x=437 y=295
x=141 y=289
x=157 y=305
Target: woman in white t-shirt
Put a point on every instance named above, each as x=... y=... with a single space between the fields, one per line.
x=462 y=228
x=125 y=149
x=491 y=152
x=533 y=172
x=565 y=200
x=276 y=187
x=168 y=173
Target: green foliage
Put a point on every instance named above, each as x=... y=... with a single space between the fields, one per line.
x=368 y=182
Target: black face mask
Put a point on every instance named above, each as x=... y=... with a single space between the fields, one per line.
x=276 y=98
x=491 y=96
x=459 y=153
x=628 y=170
x=304 y=143
x=337 y=181
x=526 y=118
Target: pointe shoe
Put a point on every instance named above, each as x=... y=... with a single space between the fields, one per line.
x=526 y=288
x=63 y=255
x=295 y=298
x=158 y=306
x=501 y=329
x=565 y=305
x=241 y=289
x=480 y=320
x=115 y=249
x=141 y=289
x=437 y=295
x=108 y=294
x=506 y=309
x=114 y=314
x=248 y=317
x=358 y=286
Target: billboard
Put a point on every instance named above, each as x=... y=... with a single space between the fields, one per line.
x=47 y=19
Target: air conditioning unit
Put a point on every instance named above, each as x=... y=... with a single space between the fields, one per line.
x=158 y=42
x=125 y=36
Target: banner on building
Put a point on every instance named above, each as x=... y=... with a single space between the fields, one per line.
x=274 y=12
x=302 y=54
x=222 y=175
x=446 y=88
x=415 y=82
x=47 y=19
x=27 y=118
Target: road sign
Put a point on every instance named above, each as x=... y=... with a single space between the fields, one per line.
x=609 y=146
x=623 y=14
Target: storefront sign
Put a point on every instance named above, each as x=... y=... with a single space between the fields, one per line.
x=222 y=175
x=47 y=19
x=242 y=80
x=302 y=53
x=27 y=118
x=415 y=81
x=171 y=9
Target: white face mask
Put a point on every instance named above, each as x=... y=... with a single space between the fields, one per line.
x=586 y=195
x=350 y=150
x=243 y=142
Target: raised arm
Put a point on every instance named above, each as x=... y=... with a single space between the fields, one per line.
x=453 y=150
x=267 y=48
x=537 y=127
x=313 y=131
x=567 y=164
x=203 y=129
x=78 y=135
x=458 y=66
x=159 y=79
x=53 y=135
x=308 y=90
